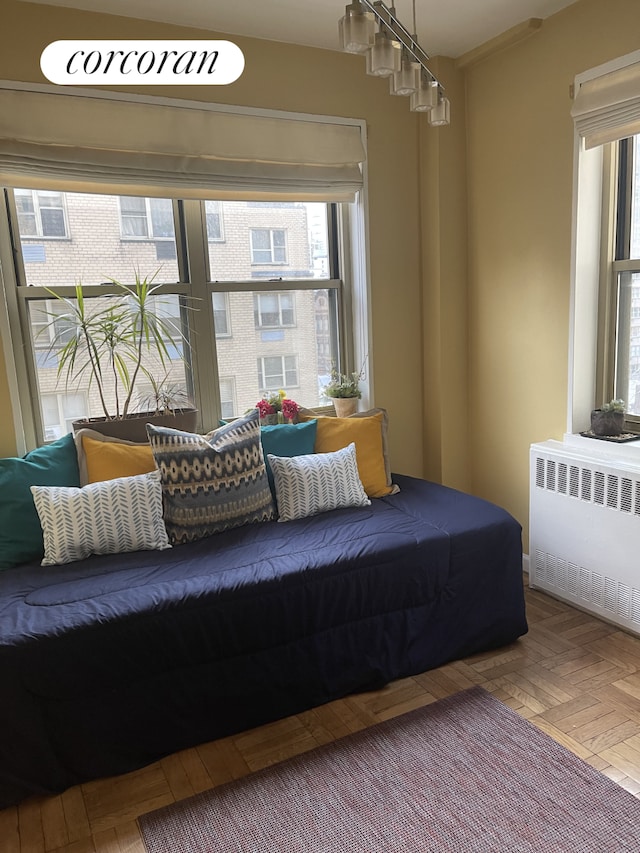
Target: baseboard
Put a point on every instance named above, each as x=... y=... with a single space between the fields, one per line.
x=525 y=563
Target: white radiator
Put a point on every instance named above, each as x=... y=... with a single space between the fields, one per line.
x=585 y=530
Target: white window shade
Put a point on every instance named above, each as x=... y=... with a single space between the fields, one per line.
x=83 y=141
x=607 y=104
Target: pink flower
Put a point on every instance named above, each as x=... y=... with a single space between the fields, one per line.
x=265 y=408
x=289 y=409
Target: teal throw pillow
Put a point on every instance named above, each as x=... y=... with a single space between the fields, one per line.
x=287 y=440
x=54 y=464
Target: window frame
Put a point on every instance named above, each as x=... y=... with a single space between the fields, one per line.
x=264 y=388
x=258 y=313
x=615 y=264
x=37 y=211
x=148 y=218
x=272 y=247
x=342 y=218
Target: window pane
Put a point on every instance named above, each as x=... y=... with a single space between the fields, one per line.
x=268 y=313
x=26 y=213
x=288 y=239
x=272 y=372
x=635 y=200
x=161 y=217
x=79 y=391
x=52 y=222
x=260 y=240
x=227 y=396
x=221 y=314
x=213 y=211
x=628 y=366
x=97 y=250
x=297 y=359
x=24 y=201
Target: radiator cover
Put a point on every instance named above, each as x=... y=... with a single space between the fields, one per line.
x=585 y=530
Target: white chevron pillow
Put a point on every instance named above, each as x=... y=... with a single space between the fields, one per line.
x=317 y=482
x=109 y=517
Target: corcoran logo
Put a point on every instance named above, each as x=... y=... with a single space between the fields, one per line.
x=134 y=63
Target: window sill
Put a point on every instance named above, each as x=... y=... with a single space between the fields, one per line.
x=607 y=451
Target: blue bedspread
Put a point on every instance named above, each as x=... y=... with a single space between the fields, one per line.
x=110 y=663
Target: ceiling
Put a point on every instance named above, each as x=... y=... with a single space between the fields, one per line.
x=444 y=27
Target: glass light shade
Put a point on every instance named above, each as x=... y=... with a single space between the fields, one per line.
x=407 y=80
x=425 y=97
x=356 y=29
x=440 y=114
x=385 y=57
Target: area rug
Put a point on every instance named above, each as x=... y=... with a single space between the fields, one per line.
x=465 y=774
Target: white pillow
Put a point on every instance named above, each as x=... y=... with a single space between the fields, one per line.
x=109 y=517
x=317 y=482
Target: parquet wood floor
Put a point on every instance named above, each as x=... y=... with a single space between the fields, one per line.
x=575 y=677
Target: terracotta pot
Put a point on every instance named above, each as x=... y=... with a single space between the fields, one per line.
x=345 y=406
x=134 y=427
x=607 y=423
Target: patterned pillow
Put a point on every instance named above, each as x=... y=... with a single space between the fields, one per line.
x=109 y=517
x=212 y=482
x=369 y=432
x=308 y=485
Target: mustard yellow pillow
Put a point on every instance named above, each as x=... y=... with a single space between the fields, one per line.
x=101 y=457
x=368 y=432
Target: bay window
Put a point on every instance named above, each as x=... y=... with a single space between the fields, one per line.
x=281 y=339
x=214 y=214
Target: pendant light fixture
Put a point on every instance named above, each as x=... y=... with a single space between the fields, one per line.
x=426 y=95
x=392 y=51
x=407 y=79
x=384 y=58
x=356 y=28
x=439 y=115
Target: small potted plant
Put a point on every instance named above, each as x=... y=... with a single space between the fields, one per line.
x=276 y=408
x=344 y=390
x=608 y=419
x=117 y=342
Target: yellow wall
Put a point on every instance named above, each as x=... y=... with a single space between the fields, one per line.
x=470 y=227
x=520 y=167
x=280 y=76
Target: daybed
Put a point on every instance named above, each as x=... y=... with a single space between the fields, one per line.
x=113 y=661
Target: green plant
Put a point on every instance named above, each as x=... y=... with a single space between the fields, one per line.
x=165 y=396
x=613 y=406
x=344 y=384
x=113 y=341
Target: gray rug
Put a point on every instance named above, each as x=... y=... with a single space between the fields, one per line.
x=462 y=775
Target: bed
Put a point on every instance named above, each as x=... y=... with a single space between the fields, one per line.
x=111 y=662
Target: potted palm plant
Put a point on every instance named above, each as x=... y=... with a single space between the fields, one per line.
x=117 y=343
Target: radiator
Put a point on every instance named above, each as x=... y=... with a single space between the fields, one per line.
x=585 y=530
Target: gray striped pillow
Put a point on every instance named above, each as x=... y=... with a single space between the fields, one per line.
x=317 y=482
x=109 y=517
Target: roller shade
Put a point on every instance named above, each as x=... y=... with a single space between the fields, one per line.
x=607 y=106
x=84 y=143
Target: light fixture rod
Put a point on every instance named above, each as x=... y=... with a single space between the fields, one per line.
x=385 y=16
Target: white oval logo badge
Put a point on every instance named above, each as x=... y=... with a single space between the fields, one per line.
x=134 y=63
